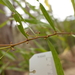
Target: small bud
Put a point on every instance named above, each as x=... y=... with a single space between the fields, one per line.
x=10 y=42
x=45 y=38
x=38 y=32
x=12 y=48
x=26 y=42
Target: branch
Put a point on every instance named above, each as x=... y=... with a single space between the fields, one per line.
x=56 y=33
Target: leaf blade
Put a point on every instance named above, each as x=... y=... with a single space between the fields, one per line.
x=56 y=59
x=46 y=15
x=1 y=2
x=4 y=23
x=8 y=55
x=9 y=5
x=20 y=27
x=24 y=9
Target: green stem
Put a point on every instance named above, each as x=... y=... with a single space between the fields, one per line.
x=4 y=54
x=4 y=47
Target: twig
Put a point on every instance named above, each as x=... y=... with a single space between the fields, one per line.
x=56 y=33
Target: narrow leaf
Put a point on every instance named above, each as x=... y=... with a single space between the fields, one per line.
x=14 y=68
x=37 y=22
x=4 y=53
x=9 y=5
x=73 y=35
x=1 y=2
x=4 y=23
x=20 y=27
x=56 y=59
x=17 y=18
x=8 y=55
x=46 y=15
x=24 y=9
x=3 y=67
x=73 y=4
x=22 y=30
x=40 y=50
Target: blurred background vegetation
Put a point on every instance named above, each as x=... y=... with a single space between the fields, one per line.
x=17 y=62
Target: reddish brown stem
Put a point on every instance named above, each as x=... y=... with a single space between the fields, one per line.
x=56 y=33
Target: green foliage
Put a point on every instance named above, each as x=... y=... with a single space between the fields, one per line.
x=24 y=65
x=16 y=16
x=20 y=27
x=9 y=55
x=36 y=25
x=9 y=5
x=46 y=15
x=56 y=59
x=24 y=9
x=1 y=2
x=73 y=3
x=4 y=23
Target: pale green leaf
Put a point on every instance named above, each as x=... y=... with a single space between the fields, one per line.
x=9 y=55
x=4 y=23
x=73 y=4
x=1 y=2
x=20 y=27
x=24 y=9
x=73 y=35
x=47 y=16
x=14 y=68
x=56 y=59
x=9 y=5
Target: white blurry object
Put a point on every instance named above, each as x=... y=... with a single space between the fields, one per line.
x=42 y=64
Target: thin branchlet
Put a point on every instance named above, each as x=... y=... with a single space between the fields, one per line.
x=55 y=33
